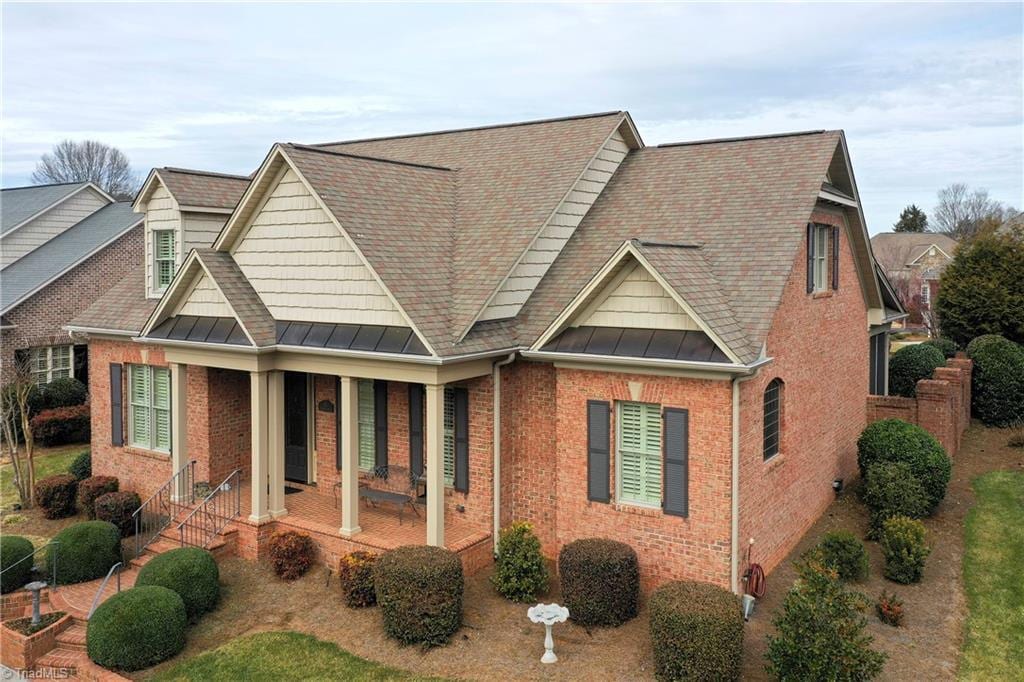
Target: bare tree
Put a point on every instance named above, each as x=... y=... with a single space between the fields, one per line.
x=961 y=212
x=16 y=440
x=89 y=160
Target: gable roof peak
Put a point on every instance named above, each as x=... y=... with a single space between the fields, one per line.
x=363 y=157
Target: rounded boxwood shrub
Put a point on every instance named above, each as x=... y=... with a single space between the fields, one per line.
x=910 y=364
x=997 y=381
x=62 y=425
x=600 y=581
x=92 y=488
x=904 y=549
x=419 y=591
x=696 y=632
x=291 y=554
x=947 y=347
x=117 y=508
x=191 y=572
x=14 y=548
x=894 y=440
x=85 y=551
x=55 y=495
x=891 y=489
x=137 y=628
x=519 y=572
x=64 y=392
x=355 y=574
x=841 y=551
x=81 y=466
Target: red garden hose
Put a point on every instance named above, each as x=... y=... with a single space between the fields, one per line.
x=754 y=579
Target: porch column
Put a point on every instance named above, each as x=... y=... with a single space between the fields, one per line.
x=349 y=427
x=179 y=434
x=259 y=389
x=434 y=436
x=275 y=438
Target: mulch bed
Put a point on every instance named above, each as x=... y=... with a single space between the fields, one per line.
x=24 y=625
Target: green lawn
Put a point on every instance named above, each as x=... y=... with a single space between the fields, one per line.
x=994 y=579
x=275 y=656
x=49 y=461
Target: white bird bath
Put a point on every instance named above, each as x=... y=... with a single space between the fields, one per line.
x=549 y=614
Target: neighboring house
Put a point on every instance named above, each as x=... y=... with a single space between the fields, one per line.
x=913 y=262
x=61 y=247
x=548 y=321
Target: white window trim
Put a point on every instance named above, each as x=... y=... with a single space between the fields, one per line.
x=618 y=460
x=157 y=287
x=822 y=253
x=926 y=293
x=48 y=372
x=150 y=406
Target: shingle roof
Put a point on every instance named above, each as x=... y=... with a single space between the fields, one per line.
x=26 y=275
x=203 y=188
x=123 y=308
x=897 y=249
x=18 y=204
x=242 y=298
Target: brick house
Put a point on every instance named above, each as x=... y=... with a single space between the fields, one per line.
x=914 y=262
x=423 y=338
x=61 y=247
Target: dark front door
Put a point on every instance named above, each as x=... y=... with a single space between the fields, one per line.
x=296 y=434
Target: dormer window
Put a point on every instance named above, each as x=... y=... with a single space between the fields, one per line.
x=163 y=258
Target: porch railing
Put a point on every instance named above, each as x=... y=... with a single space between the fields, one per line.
x=163 y=506
x=114 y=570
x=216 y=511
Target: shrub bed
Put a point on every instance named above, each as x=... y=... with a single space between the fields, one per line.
x=117 y=508
x=904 y=549
x=62 y=425
x=909 y=365
x=891 y=489
x=355 y=575
x=92 y=488
x=997 y=381
x=85 y=551
x=64 y=392
x=190 y=572
x=137 y=628
x=600 y=581
x=520 y=573
x=14 y=548
x=81 y=466
x=291 y=554
x=55 y=495
x=419 y=590
x=696 y=632
x=841 y=551
x=894 y=440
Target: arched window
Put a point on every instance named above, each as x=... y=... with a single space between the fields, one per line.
x=772 y=418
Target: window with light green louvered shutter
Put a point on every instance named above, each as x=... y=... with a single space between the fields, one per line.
x=139 y=388
x=161 y=409
x=449 y=436
x=163 y=257
x=639 y=453
x=149 y=407
x=366 y=425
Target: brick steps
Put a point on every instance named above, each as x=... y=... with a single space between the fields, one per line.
x=73 y=638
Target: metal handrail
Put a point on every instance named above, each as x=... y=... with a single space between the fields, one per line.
x=55 y=544
x=95 y=600
x=213 y=514
x=157 y=512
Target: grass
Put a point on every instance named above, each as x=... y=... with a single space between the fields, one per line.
x=994 y=634
x=49 y=461
x=274 y=656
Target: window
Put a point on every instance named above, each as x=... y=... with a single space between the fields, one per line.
x=926 y=294
x=449 y=436
x=639 y=453
x=149 y=418
x=772 y=417
x=367 y=425
x=821 y=254
x=163 y=258
x=51 y=362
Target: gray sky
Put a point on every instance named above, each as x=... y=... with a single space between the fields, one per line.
x=928 y=93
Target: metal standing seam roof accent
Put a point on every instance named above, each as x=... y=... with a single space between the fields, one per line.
x=657 y=344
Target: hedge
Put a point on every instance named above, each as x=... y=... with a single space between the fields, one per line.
x=910 y=364
x=947 y=347
x=841 y=551
x=191 y=572
x=419 y=590
x=85 y=551
x=14 y=548
x=81 y=466
x=997 y=382
x=117 y=508
x=291 y=554
x=355 y=575
x=55 y=495
x=696 y=632
x=62 y=425
x=92 y=488
x=520 y=573
x=64 y=392
x=137 y=628
x=891 y=489
x=600 y=581
x=894 y=440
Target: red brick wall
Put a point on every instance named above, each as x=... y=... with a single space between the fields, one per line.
x=40 y=318
x=819 y=346
x=230 y=423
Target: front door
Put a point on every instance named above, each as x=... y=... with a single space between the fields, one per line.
x=296 y=432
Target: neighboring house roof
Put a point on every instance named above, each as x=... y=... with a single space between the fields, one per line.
x=197 y=189
x=900 y=249
x=39 y=267
x=123 y=309
x=18 y=205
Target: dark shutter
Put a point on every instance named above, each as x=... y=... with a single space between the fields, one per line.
x=380 y=423
x=116 y=406
x=80 y=359
x=810 y=257
x=416 y=429
x=676 y=451
x=598 y=450
x=337 y=424
x=461 y=439
x=835 y=257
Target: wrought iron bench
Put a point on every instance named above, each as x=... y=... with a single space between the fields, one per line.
x=378 y=494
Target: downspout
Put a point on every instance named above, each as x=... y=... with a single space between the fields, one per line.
x=496 y=467
x=735 y=497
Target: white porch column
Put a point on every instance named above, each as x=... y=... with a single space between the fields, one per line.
x=179 y=433
x=348 y=425
x=275 y=441
x=259 y=392
x=434 y=436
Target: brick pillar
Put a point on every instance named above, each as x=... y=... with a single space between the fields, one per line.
x=935 y=412
x=966 y=368
x=954 y=376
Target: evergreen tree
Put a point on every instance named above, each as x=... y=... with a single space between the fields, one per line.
x=912 y=219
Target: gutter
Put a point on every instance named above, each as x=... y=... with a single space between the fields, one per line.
x=723 y=367
x=73 y=329
x=734 y=530
x=496 y=447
